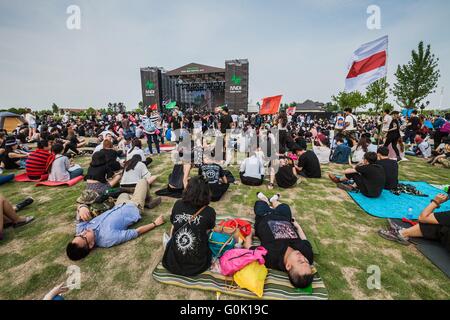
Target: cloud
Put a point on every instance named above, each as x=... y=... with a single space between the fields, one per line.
x=297 y=48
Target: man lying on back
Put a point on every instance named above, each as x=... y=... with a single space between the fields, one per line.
x=111 y=227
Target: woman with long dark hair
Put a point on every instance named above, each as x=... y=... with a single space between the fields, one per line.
x=187 y=252
x=133 y=171
x=100 y=177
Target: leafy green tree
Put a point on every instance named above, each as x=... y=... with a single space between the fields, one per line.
x=331 y=107
x=377 y=93
x=417 y=79
x=349 y=100
x=55 y=108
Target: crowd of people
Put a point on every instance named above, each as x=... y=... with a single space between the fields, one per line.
x=278 y=150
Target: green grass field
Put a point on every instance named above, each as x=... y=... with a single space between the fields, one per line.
x=33 y=260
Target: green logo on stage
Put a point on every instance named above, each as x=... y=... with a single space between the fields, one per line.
x=236 y=80
x=150 y=85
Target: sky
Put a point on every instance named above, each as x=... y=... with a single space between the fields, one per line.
x=296 y=48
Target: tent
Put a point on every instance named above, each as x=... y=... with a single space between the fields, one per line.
x=9 y=121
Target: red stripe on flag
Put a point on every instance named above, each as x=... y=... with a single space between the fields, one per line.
x=371 y=63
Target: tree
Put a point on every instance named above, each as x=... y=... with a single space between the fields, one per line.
x=55 y=108
x=417 y=79
x=388 y=106
x=331 y=107
x=349 y=100
x=377 y=93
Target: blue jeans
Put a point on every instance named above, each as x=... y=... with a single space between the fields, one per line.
x=262 y=209
x=76 y=173
x=5 y=179
x=154 y=138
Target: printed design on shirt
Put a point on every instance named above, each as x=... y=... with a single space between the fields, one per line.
x=282 y=230
x=211 y=173
x=185 y=240
x=183 y=218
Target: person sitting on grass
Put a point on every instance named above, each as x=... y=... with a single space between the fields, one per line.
x=14 y=158
x=63 y=169
x=390 y=168
x=252 y=170
x=111 y=227
x=308 y=165
x=215 y=176
x=285 y=176
x=38 y=161
x=368 y=178
x=431 y=226
x=287 y=247
x=8 y=214
x=192 y=218
x=136 y=148
x=443 y=156
x=342 y=152
x=100 y=177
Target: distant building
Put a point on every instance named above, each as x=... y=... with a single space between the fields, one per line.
x=310 y=106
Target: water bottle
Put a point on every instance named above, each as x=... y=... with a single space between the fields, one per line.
x=410 y=213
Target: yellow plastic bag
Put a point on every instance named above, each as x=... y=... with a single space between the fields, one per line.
x=252 y=277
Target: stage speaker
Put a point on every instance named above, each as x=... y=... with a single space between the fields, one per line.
x=236 y=85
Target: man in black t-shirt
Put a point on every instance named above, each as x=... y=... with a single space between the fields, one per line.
x=225 y=121
x=369 y=178
x=390 y=168
x=308 y=164
x=287 y=248
x=431 y=226
x=412 y=127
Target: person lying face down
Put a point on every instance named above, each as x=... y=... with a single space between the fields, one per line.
x=283 y=238
x=111 y=227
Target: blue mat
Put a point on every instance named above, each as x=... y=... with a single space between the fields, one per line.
x=388 y=205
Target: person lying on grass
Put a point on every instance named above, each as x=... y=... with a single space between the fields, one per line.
x=368 y=178
x=431 y=226
x=286 y=243
x=111 y=227
x=9 y=217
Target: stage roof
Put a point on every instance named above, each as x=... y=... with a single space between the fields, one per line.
x=194 y=69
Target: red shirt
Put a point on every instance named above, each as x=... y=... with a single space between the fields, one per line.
x=37 y=162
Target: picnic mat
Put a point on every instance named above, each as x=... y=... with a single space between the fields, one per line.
x=433 y=250
x=388 y=205
x=69 y=183
x=24 y=178
x=277 y=285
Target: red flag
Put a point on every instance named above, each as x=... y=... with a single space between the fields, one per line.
x=154 y=107
x=270 y=105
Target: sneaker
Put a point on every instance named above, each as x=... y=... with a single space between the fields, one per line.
x=393 y=235
x=333 y=178
x=261 y=196
x=345 y=187
x=24 y=203
x=275 y=198
x=393 y=225
x=153 y=203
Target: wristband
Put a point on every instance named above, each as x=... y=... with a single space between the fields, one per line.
x=438 y=205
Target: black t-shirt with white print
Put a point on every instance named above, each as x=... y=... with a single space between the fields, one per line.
x=211 y=172
x=187 y=252
x=276 y=234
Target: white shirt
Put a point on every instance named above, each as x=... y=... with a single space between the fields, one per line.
x=138 y=151
x=386 y=123
x=350 y=119
x=133 y=176
x=323 y=154
x=252 y=167
x=425 y=148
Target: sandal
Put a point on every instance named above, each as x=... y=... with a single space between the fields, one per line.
x=25 y=222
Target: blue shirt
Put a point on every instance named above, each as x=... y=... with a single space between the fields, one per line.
x=111 y=227
x=341 y=154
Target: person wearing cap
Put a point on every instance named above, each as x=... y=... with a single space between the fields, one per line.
x=12 y=157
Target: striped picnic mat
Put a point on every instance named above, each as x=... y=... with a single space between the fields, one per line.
x=277 y=285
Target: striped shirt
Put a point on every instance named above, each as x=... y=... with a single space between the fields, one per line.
x=36 y=164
